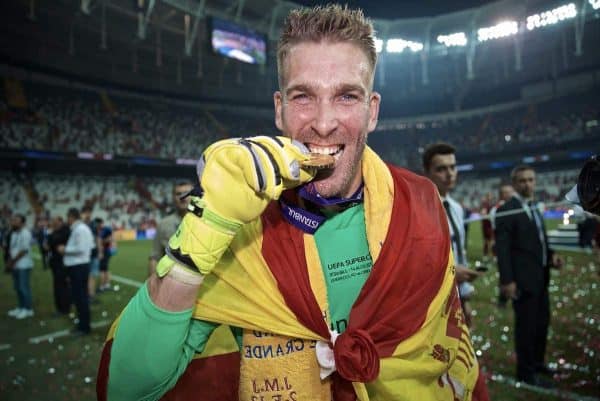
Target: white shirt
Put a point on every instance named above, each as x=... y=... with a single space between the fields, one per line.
x=458 y=215
x=465 y=289
x=21 y=241
x=79 y=245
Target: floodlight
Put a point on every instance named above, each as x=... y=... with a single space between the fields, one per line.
x=595 y=4
x=551 y=17
x=501 y=30
x=399 y=45
x=453 y=39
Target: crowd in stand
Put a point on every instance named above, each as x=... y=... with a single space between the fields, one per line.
x=551 y=123
x=60 y=119
x=65 y=120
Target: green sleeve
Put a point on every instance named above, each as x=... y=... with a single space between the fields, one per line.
x=152 y=348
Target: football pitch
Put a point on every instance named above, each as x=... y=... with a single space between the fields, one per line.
x=41 y=360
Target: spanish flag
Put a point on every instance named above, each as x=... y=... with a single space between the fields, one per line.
x=406 y=337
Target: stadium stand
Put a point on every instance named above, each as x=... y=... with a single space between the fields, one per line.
x=560 y=121
x=65 y=119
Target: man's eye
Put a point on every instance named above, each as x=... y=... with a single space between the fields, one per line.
x=349 y=97
x=300 y=97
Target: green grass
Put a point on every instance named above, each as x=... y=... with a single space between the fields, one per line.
x=65 y=368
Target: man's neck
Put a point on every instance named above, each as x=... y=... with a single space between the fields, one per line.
x=523 y=198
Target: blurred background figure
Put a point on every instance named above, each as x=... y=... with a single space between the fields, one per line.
x=40 y=234
x=59 y=234
x=587 y=231
x=505 y=193
x=107 y=250
x=77 y=255
x=6 y=234
x=167 y=226
x=20 y=264
x=524 y=260
x=487 y=230
x=95 y=253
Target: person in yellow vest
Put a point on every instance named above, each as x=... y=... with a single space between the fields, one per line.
x=306 y=268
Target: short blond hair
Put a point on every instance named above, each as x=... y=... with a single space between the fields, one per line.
x=332 y=23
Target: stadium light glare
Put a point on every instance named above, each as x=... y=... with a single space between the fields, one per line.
x=399 y=45
x=501 y=30
x=378 y=45
x=453 y=39
x=507 y=138
x=595 y=4
x=551 y=17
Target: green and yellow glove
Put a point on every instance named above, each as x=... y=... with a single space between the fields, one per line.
x=239 y=177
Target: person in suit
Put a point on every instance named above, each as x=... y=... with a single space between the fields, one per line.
x=524 y=259
x=60 y=275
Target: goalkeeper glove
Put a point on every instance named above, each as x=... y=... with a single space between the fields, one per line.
x=239 y=177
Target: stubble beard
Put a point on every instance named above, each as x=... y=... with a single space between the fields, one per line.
x=345 y=172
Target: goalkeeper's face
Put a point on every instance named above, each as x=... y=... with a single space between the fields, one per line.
x=328 y=104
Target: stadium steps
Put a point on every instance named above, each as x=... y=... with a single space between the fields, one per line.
x=15 y=94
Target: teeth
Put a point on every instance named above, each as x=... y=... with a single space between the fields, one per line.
x=324 y=150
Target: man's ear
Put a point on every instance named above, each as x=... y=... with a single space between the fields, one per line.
x=278 y=103
x=374 y=102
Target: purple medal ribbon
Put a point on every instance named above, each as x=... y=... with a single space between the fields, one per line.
x=307 y=221
x=309 y=193
x=301 y=218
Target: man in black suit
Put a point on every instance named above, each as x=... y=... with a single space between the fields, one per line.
x=524 y=259
x=60 y=275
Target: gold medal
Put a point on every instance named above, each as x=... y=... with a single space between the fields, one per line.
x=318 y=160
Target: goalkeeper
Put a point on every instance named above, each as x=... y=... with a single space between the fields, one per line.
x=306 y=268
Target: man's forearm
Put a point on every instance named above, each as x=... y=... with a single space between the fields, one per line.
x=170 y=294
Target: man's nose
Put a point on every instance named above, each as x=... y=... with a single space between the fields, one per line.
x=326 y=119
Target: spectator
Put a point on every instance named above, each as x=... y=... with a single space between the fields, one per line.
x=439 y=164
x=104 y=234
x=20 y=264
x=486 y=226
x=524 y=259
x=167 y=226
x=95 y=253
x=77 y=254
x=505 y=193
x=60 y=275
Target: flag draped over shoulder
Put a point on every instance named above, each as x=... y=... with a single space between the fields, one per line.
x=406 y=338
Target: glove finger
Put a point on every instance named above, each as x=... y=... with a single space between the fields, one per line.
x=287 y=154
x=230 y=158
x=266 y=172
x=209 y=151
